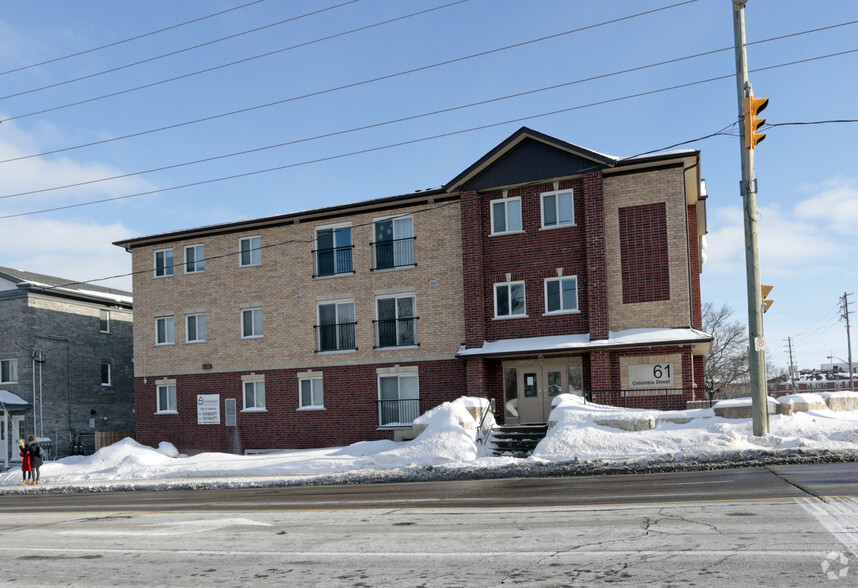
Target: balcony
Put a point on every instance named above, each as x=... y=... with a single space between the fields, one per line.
x=333 y=261
x=335 y=337
x=396 y=332
x=394 y=253
x=398 y=413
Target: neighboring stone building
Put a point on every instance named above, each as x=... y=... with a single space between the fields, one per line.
x=66 y=351
x=342 y=324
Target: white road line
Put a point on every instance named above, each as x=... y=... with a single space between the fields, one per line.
x=839 y=516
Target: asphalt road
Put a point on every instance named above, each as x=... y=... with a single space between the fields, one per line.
x=785 y=526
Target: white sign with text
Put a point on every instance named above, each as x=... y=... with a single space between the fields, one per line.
x=653 y=375
x=208 y=409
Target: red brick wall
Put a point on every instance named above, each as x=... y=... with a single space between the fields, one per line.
x=597 y=273
x=531 y=256
x=644 y=262
x=350 y=414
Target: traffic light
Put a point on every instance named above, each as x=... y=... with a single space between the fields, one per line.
x=753 y=107
x=765 y=290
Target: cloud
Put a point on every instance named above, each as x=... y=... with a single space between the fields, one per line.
x=807 y=238
x=38 y=173
x=77 y=250
x=835 y=206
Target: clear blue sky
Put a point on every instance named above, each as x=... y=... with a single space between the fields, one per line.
x=808 y=183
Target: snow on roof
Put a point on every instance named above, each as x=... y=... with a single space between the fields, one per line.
x=81 y=292
x=7 y=397
x=629 y=337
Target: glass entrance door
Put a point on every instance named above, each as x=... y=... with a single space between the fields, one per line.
x=530 y=387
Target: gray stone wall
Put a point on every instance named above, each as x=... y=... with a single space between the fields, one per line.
x=71 y=404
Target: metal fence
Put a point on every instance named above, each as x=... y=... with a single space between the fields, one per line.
x=398 y=413
x=653 y=398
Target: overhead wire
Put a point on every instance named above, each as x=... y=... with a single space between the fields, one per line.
x=358 y=152
x=427 y=209
x=180 y=51
x=334 y=89
x=385 y=77
x=129 y=39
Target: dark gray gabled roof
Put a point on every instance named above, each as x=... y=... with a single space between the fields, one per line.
x=544 y=156
x=53 y=285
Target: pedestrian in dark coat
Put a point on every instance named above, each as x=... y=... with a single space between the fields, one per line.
x=35 y=459
x=26 y=467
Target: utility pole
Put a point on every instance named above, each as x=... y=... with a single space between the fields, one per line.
x=791 y=366
x=845 y=317
x=756 y=340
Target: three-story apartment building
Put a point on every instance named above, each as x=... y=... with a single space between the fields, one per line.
x=542 y=268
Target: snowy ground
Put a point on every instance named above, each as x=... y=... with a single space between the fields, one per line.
x=584 y=438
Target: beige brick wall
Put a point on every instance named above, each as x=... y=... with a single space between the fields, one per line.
x=285 y=276
x=665 y=185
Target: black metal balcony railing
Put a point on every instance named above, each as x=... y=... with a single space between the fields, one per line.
x=336 y=337
x=398 y=413
x=653 y=398
x=394 y=253
x=334 y=260
x=397 y=332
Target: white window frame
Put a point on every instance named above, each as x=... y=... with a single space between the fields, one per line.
x=556 y=193
x=561 y=310
x=508 y=286
x=401 y=252
x=196 y=316
x=11 y=371
x=311 y=381
x=167 y=269
x=254 y=253
x=506 y=202
x=334 y=229
x=109 y=381
x=167 y=320
x=261 y=330
x=395 y=297
x=199 y=258
x=103 y=319
x=171 y=407
x=399 y=377
x=258 y=387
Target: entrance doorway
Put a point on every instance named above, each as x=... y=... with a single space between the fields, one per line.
x=530 y=386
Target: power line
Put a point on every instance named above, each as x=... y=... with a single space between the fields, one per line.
x=427 y=209
x=115 y=43
x=330 y=90
x=339 y=156
x=380 y=78
x=179 y=51
x=299 y=164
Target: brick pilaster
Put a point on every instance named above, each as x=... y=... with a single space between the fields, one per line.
x=472 y=270
x=597 y=283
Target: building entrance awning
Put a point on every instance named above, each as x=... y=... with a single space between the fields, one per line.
x=12 y=402
x=700 y=342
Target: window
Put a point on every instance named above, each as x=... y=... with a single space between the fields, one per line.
x=8 y=371
x=506 y=215
x=251 y=323
x=195 y=259
x=557 y=209
x=105 y=374
x=394 y=243
x=166 y=398
x=104 y=321
x=195 y=327
x=254 y=394
x=163 y=263
x=251 y=251
x=509 y=299
x=165 y=330
x=396 y=324
x=311 y=393
x=399 y=399
x=334 y=251
x=336 y=326
x=229 y=412
x=561 y=294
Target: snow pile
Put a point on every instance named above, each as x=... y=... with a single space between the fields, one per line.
x=580 y=433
